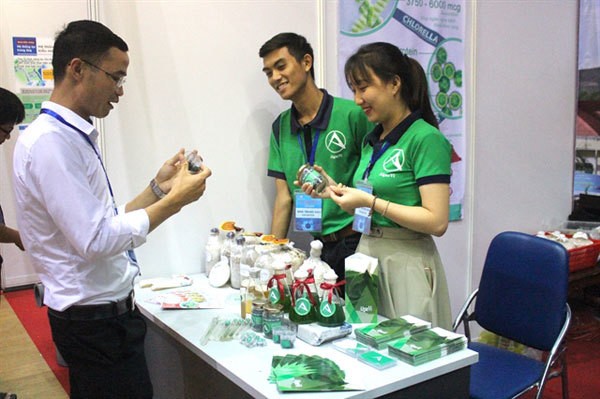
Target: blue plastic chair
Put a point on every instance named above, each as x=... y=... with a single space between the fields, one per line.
x=522 y=296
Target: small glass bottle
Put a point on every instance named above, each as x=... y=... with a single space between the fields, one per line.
x=331 y=310
x=250 y=290
x=303 y=300
x=254 y=284
x=212 y=250
x=279 y=290
x=237 y=251
x=194 y=161
x=308 y=174
x=257 y=314
x=272 y=318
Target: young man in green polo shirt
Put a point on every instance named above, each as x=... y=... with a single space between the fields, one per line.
x=317 y=129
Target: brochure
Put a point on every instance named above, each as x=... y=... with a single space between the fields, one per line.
x=427 y=345
x=378 y=335
x=303 y=373
x=185 y=299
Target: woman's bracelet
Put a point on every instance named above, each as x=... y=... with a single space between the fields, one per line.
x=386 y=208
x=373 y=205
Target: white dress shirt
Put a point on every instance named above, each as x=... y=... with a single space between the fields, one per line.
x=66 y=214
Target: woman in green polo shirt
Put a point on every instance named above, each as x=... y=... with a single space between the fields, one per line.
x=404 y=178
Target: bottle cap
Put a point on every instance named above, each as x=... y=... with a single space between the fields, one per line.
x=316 y=245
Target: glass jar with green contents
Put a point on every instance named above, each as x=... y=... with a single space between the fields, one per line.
x=257 y=314
x=278 y=287
x=308 y=174
x=303 y=300
x=272 y=318
x=331 y=310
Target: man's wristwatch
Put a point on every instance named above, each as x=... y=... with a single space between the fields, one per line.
x=156 y=189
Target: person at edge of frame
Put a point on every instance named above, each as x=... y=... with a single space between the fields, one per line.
x=406 y=163
x=318 y=128
x=12 y=112
x=80 y=243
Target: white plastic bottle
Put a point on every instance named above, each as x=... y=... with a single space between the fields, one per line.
x=237 y=252
x=226 y=246
x=212 y=250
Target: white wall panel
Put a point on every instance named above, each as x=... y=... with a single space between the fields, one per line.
x=34 y=19
x=195 y=81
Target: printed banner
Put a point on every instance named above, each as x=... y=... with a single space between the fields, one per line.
x=33 y=73
x=432 y=32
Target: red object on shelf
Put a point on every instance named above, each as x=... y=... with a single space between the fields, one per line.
x=584 y=257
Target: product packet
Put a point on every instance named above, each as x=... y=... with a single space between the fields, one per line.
x=350 y=347
x=315 y=334
x=361 y=288
x=377 y=360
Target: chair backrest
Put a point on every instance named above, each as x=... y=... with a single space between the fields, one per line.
x=523 y=289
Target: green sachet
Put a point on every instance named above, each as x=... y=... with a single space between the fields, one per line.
x=362 y=284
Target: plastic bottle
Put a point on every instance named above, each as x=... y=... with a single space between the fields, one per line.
x=279 y=290
x=331 y=309
x=226 y=248
x=303 y=300
x=237 y=251
x=212 y=250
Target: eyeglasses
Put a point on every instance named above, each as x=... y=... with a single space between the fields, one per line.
x=119 y=80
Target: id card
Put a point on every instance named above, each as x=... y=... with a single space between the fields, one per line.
x=362 y=217
x=308 y=212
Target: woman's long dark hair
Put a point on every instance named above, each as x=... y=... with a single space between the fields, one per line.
x=387 y=61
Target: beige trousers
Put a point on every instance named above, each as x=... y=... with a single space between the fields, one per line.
x=411 y=275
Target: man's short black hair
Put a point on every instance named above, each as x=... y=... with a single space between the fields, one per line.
x=296 y=44
x=11 y=108
x=85 y=39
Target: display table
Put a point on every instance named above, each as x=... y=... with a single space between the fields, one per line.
x=180 y=367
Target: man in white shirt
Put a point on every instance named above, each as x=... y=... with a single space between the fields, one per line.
x=81 y=244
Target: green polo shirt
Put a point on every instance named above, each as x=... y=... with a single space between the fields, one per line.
x=342 y=127
x=418 y=154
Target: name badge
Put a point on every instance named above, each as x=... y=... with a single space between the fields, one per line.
x=362 y=216
x=308 y=212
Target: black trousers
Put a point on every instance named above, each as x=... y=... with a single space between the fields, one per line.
x=105 y=357
x=335 y=254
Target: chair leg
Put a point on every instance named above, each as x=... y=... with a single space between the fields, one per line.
x=564 y=378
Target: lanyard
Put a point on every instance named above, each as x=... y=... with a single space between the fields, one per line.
x=310 y=159
x=374 y=157
x=89 y=141
x=130 y=253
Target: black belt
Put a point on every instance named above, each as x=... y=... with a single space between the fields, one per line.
x=96 y=312
x=338 y=235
